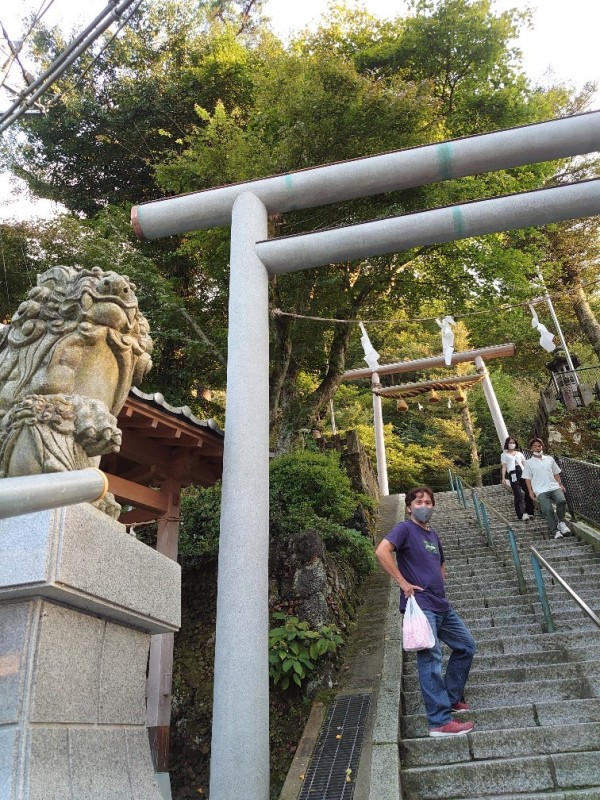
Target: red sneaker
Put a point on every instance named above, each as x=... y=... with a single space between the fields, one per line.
x=460 y=706
x=452 y=728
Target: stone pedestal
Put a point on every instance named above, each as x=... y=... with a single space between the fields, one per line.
x=79 y=599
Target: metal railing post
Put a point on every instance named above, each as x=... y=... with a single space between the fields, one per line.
x=486 y=524
x=451 y=480
x=512 y=540
x=539 y=580
x=476 y=509
x=462 y=493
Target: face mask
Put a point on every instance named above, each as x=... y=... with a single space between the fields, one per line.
x=422 y=513
x=512 y=446
x=539 y=455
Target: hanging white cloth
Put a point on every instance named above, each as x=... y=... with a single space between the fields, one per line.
x=447 y=338
x=371 y=355
x=546 y=338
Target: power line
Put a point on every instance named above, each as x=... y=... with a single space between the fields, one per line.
x=63 y=61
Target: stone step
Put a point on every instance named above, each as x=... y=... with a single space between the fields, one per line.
x=505 y=694
x=482 y=745
x=482 y=779
x=515 y=643
x=479 y=678
x=528 y=715
x=484 y=632
x=575 y=655
x=568 y=794
x=494 y=602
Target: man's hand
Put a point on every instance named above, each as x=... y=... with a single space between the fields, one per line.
x=408 y=588
x=533 y=495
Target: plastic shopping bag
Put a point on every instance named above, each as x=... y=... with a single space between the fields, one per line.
x=416 y=630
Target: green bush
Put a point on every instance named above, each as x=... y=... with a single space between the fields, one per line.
x=199 y=527
x=311 y=482
x=308 y=491
x=294 y=648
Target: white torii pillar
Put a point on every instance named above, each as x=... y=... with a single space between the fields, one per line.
x=477 y=356
x=492 y=400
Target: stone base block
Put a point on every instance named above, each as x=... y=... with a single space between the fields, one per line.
x=78 y=601
x=78 y=556
x=72 y=710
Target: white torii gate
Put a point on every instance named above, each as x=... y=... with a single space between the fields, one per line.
x=240 y=734
x=477 y=356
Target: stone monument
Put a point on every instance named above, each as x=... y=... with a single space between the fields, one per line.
x=79 y=598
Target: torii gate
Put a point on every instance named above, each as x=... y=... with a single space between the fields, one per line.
x=478 y=357
x=240 y=731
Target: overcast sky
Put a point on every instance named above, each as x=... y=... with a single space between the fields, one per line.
x=563 y=41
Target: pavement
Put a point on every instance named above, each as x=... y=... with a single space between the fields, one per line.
x=374 y=665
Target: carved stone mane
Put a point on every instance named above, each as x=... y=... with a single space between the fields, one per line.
x=67 y=362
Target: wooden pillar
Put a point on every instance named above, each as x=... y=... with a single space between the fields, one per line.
x=160 y=666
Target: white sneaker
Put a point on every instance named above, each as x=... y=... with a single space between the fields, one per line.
x=563 y=527
x=558 y=534
x=525 y=517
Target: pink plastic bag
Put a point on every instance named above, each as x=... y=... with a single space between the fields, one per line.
x=416 y=630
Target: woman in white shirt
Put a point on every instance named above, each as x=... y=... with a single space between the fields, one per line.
x=511 y=463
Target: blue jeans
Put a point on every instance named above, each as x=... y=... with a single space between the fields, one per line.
x=440 y=693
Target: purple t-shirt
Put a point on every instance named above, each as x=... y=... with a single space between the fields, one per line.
x=420 y=556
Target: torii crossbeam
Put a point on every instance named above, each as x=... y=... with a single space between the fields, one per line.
x=478 y=357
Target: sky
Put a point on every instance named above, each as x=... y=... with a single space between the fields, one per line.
x=562 y=43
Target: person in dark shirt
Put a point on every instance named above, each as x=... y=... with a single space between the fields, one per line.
x=419 y=569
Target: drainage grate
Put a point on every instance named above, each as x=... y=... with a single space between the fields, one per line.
x=332 y=770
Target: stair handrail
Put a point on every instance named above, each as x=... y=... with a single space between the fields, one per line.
x=536 y=561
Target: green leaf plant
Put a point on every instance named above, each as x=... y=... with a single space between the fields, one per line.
x=294 y=649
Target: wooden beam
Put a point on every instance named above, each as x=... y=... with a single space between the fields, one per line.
x=139 y=449
x=136 y=495
x=137 y=515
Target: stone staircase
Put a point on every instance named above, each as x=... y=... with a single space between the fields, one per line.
x=535 y=696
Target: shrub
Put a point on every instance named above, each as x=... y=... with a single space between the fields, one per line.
x=311 y=482
x=294 y=648
x=199 y=527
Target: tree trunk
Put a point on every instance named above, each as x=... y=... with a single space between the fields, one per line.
x=469 y=429
x=281 y=363
x=586 y=317
x=320 y=398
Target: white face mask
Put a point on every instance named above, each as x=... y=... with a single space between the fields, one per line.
x=539 y=454
x=512 y=446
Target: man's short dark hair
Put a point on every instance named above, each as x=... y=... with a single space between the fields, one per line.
x=535 y=439
x=412 y=494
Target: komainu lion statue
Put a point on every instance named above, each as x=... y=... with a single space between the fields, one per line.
x=67 y=361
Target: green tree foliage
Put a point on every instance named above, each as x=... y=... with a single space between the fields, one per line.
x=307 y=491
x=311 y=483
x=17 y=270
x=189 y=97
x=294 y=649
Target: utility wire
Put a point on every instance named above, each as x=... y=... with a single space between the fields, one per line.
x=82 y=42
x=56 y=99
x=278 y=312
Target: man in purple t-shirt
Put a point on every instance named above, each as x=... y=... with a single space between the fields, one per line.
x=419 y=569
